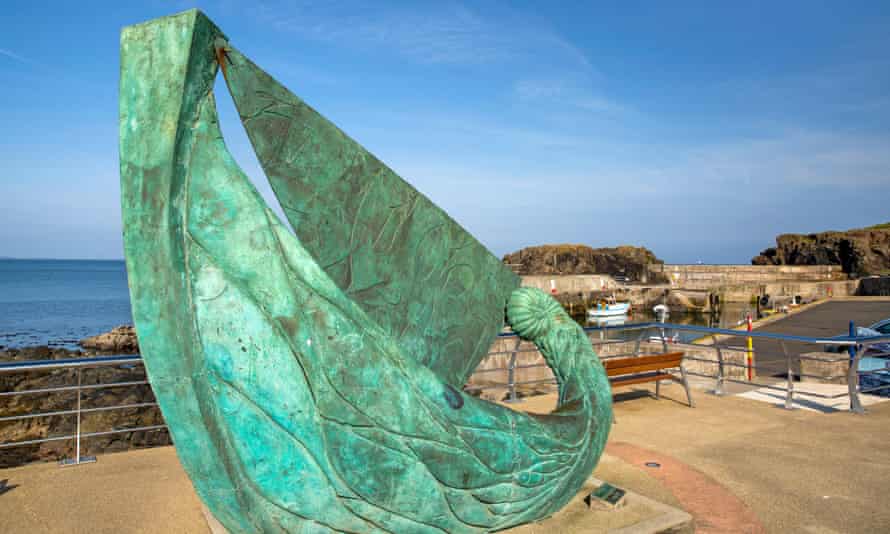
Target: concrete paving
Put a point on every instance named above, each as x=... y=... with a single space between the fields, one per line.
x=137 y=492
x=782 y=471
x=799 y=471
x=147 y=491
x=823 y=398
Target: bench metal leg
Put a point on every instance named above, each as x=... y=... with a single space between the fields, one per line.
x=657 y=389
x=686 y=387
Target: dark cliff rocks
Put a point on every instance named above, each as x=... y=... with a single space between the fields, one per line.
x=624 y=261
x=859 y=252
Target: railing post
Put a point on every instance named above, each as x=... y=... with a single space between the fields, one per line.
x=721 y=378
x=79 y=384
x=789 y=389
x=639 y=341
x=664 y=344
x=853 y=381
x=77 y=458
x=511 y=373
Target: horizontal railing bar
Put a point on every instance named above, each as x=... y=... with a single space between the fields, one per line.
x=72 y=412
x=469 y=387
x=123 y=431
x=36 y=415
x=492 y=370
x=119 y=407
x=541 y=381
x=529 y=366
x=35 y=441
x=726 y=363
x=73 y=388
x=70 y=363
x=821 y=377
x=826 y=360
x=885 y=370
x=511 y=352
x=838 y=340
x=869 y=390
x=22 y=443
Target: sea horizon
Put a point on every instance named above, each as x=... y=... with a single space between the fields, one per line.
x=57 y=302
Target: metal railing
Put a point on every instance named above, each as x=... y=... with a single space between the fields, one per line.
x=638 y=336
x=627 y=340
x=78 y=365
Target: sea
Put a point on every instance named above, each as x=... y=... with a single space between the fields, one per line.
x=58 y=302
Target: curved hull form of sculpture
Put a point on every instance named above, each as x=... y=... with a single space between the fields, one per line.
x=308 y=390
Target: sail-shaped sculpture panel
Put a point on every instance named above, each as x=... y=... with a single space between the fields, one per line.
x=296 y=401
x=430 y=284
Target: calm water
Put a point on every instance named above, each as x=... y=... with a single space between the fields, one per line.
x=732 y=315
x=58 y=302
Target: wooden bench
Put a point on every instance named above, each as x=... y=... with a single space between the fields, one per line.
x=648 y=368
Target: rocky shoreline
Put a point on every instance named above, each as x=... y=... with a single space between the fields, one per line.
x=121 y=340
x=627 y=262
x=860 y=251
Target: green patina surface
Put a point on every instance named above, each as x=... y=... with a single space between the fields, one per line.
x=312 y=382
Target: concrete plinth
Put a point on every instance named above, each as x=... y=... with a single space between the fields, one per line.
x=824 y=367
x=636 y=515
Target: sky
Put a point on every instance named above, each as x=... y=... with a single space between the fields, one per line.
x=700 y=130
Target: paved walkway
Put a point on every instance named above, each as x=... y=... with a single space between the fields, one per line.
x=736 y=465
x=138 y=492
x=797 y=471
x=824 y=398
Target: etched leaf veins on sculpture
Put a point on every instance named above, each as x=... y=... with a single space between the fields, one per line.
x=312 y=382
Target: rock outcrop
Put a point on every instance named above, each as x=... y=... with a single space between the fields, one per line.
x=120 y=340
x=580 y=259
x=65 y=425
x=859 y=252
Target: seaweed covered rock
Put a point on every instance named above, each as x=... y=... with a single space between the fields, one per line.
x=120 y=340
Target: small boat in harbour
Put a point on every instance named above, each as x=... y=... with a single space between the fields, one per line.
x=615 y=320
x=609 y=308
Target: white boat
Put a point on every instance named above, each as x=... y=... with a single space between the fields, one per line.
x=615 y=320
x=609 y=308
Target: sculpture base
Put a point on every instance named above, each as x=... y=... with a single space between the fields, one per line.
x=636 y=515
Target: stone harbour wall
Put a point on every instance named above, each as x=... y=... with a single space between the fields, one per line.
x=711 y=276
x=492 y=373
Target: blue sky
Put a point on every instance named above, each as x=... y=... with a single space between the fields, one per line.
x=698 y=129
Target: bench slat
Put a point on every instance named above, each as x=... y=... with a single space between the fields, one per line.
x=639 y=379
x=635 y=364
x=639 y=369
